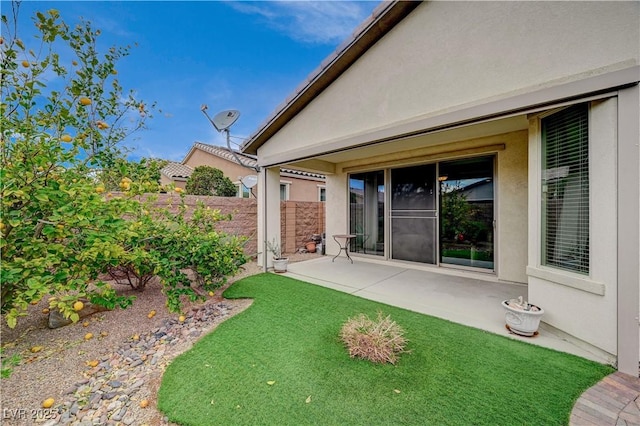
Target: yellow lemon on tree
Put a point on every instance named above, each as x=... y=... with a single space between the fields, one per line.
x=25 y=64
x=78 y=305
x=48 y=403
x=65 y=138
x=85 y=101
x=100 y=189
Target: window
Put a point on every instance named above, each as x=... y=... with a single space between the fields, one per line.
x=284 y=191
x=322 y=193
x=243 y=191
x=565 y=189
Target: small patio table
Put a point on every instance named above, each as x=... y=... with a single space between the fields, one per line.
x=347 y=238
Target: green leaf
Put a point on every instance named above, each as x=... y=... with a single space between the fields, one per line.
x=42 y=197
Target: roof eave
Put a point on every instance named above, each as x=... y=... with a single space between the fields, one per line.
x=387 y=16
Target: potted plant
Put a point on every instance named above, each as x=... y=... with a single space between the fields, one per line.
x=279 y=262
x=310 y=246
x=522 y=317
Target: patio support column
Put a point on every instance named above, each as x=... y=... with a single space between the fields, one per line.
x=336 y=217
x=628 y=192
x=268 y=213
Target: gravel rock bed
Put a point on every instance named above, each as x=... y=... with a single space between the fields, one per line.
x=111 y=388
x=86 y=395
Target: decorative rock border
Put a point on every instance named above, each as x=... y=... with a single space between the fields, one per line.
x=106 y=395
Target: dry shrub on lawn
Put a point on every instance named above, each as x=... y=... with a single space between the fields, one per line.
x=379 y=341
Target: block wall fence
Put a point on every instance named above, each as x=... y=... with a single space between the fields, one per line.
x=298 y=219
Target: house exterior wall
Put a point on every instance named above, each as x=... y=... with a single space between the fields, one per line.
x=302 y=189
x=582 y=305
x=506 y=48
x=165 y=180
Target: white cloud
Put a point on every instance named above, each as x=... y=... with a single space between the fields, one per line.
x=316 y=22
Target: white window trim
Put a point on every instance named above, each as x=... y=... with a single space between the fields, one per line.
x=287 y=189
x=535 y=268
x=239 y=185
x=320 y=188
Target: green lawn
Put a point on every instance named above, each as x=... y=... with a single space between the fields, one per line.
x=453 y=375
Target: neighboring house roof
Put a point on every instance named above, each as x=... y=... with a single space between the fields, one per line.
x=222 y=152
x=248 y=160
x=176 y=170
x=381 y=21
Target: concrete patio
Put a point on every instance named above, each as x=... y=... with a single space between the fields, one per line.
x=469 y=298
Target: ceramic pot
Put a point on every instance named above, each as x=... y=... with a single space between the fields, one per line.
x=280 y=265
x=524 y=323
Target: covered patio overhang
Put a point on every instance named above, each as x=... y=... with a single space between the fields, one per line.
x=471 y=299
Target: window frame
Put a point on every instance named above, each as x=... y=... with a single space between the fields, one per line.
x=583 y=267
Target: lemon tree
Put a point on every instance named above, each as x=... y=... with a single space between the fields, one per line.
x=62 y=123
x=62 y=228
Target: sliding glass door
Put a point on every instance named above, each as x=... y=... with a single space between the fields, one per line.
x=437 y=213
x=366 y=212
x=414 y=219
x=466 y=219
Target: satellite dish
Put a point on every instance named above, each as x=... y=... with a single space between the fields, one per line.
x=223 y=120
x=250 y=181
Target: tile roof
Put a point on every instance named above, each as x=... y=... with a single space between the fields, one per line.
x=222 y=152
x=176 y=170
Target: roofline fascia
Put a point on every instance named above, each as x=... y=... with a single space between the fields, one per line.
x=383 y=20
x=189 y=153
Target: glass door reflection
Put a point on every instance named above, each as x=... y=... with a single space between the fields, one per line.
x=467 y=206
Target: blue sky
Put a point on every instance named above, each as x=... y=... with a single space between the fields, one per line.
x=227 y=54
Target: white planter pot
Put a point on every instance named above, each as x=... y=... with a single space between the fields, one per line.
x=521 y=322
x=280 y=265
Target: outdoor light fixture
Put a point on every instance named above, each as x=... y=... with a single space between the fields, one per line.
x=221 y=122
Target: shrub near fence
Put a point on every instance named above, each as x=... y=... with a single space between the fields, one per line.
x=299 y=219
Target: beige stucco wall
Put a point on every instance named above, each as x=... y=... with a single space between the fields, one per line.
x=583 y=306
x=446 y=55
x=165 y=180
x=302 y=189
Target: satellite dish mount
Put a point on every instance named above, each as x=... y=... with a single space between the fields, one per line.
x=221 y=122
